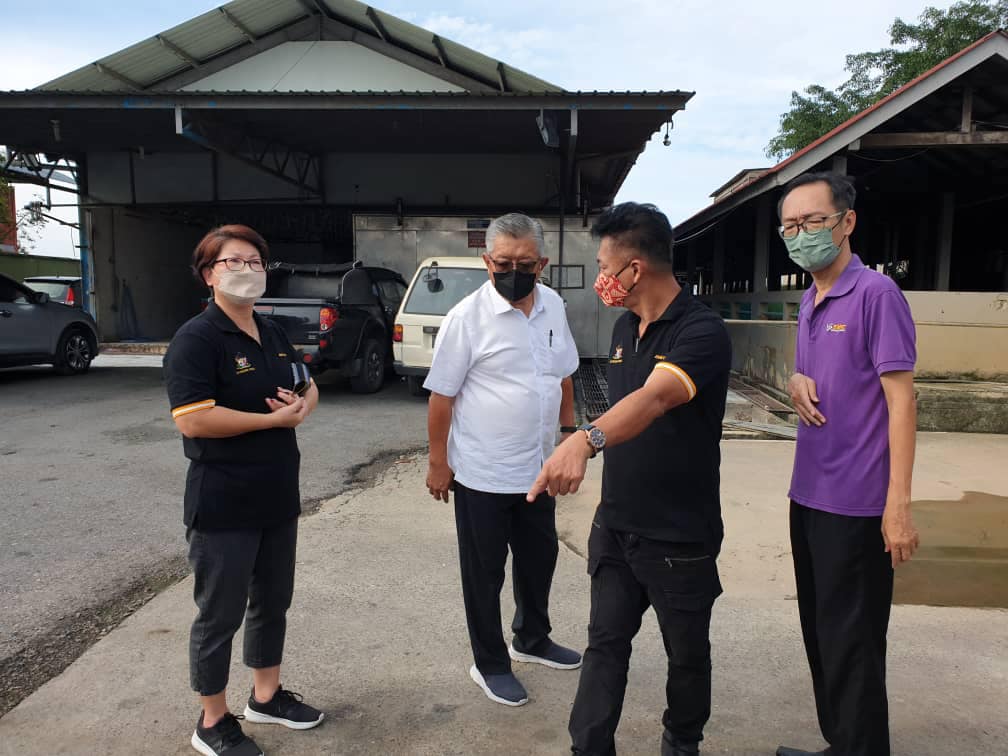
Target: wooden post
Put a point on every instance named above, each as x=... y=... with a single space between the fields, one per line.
x=717 y=266
x=967 y=110
x=761 y=247
x=946 y=222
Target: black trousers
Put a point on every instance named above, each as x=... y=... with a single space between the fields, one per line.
x=845 y=588
x=629 y=573
x=239 y=574
x=487 y=523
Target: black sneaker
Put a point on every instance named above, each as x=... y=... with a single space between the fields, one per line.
x=286 y=708
x=225 y=737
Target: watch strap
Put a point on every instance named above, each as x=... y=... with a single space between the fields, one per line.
x=568 y=428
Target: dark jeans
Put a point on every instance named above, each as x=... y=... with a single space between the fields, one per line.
x=239 y=573
x=845 y=587
x=487 y=523
x=629 y=573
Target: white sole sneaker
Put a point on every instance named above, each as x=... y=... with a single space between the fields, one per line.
x=518 y=656
x=477 y=677
x=251 y=715
x=202 y=747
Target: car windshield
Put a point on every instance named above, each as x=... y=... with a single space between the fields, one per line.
x=439 y=289
x=55 y=290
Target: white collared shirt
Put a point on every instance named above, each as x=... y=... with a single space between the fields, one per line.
x=504 y=370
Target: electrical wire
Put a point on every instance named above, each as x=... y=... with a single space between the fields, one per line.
x=859 y=156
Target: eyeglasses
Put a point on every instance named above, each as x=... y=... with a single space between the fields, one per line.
x=237 y=265
x=506 y=266
x=809 y=226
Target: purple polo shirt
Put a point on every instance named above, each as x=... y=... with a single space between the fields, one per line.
x=861 y=329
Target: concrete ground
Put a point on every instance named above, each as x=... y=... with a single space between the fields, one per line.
x=377 y=639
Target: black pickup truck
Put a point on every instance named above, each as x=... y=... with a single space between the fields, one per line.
x=339 y=316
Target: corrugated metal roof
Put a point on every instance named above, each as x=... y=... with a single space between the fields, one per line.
x=145 y=64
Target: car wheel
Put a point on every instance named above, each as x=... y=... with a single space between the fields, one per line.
x=73 y=353
x=415 y=383
x=372 y=374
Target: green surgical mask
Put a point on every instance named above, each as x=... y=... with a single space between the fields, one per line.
x=813 y=252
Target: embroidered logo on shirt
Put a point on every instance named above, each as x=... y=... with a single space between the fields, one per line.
x=242 y=364
x=617 y=355
x=836 y=328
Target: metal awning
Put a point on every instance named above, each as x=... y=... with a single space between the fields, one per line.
x=603 y=133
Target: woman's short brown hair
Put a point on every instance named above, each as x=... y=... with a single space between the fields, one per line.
x=210 y=246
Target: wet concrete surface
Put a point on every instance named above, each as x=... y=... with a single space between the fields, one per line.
x=963 y=560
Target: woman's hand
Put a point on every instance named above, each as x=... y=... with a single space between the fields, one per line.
x=289 y=410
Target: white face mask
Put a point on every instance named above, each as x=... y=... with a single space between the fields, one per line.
x=243 y=288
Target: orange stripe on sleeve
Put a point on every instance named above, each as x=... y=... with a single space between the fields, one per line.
x=681 y=374
x=185 y=409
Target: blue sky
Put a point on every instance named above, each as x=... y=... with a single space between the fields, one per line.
x=741 y=58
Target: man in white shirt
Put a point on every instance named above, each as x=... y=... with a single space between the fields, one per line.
x=500 y=383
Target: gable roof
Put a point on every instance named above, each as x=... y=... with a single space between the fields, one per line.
x=992 y=45
x=243 y=28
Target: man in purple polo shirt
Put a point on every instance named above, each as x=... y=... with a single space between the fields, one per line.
x=850 y=489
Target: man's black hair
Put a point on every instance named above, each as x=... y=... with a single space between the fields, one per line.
x=841 y=187
x=642 y=227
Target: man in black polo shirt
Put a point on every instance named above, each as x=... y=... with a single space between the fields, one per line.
x=657 y=531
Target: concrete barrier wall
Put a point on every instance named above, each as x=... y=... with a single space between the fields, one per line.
x=959 y=335
x=19 y=267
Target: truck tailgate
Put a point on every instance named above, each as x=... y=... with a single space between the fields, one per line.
x=298 y=317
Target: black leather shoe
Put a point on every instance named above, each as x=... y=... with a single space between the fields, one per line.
x=672 y=747
x=785 y=751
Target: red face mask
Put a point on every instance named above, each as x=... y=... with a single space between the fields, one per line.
x=610 y=290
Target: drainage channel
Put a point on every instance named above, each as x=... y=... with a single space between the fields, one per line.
x=591 y=387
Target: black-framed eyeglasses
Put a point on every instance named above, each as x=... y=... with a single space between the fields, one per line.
x=809 y=226
x=237 y=265
x=506 y=266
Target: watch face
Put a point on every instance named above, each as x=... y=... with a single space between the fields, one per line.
x=596 y=437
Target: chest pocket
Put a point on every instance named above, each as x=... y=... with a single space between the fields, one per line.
x=553 y=349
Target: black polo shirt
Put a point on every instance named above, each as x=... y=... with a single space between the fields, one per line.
x=664 y=484
x=246 y=481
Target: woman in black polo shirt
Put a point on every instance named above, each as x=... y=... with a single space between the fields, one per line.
x=229 y=379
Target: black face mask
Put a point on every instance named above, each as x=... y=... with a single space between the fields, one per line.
x=514 y=284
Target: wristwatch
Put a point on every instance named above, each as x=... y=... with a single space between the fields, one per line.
x=595 y=437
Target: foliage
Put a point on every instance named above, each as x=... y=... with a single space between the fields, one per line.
x=937 y=35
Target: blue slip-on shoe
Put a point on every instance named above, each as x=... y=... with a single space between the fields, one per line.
x=504 y=689
x=551 y=655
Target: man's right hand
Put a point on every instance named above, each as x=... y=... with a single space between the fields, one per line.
x=440 y=480
x=804 y=398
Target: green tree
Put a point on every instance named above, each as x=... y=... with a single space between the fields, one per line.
x=876 y=74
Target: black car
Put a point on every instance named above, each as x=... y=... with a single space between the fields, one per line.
x=339 y=316
x=63 y=289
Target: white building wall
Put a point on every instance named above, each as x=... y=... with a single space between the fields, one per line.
x=321 y=66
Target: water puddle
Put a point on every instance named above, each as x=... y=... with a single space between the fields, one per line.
x=963 y=559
